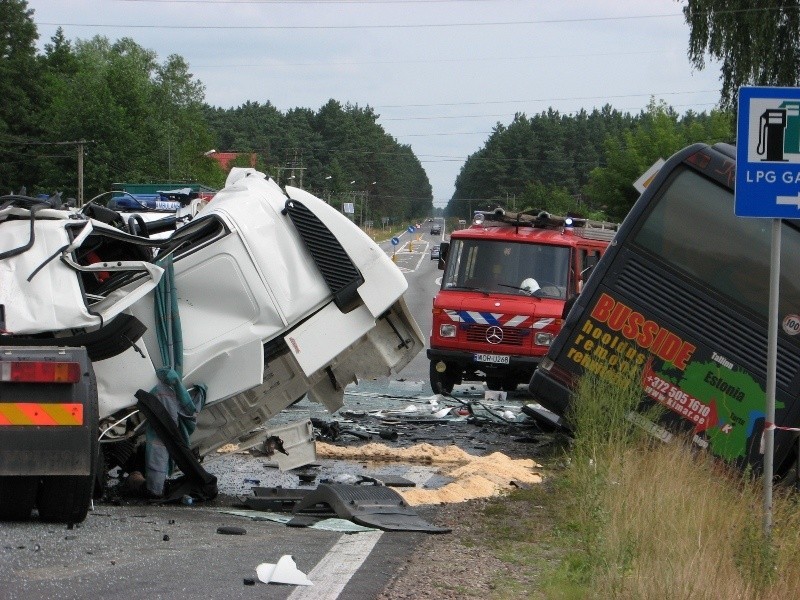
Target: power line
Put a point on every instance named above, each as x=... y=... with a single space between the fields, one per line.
x=367 y=26
x=425 y=61
x=561 y=99
x=735 y=11
x=294 y=2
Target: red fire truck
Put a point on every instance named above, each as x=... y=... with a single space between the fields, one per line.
x=506 y=281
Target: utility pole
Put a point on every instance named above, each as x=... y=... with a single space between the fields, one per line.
x=80 y=144
x=80 y=172
x=295 y=164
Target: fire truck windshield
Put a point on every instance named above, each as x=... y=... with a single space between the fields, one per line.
x=504 y=267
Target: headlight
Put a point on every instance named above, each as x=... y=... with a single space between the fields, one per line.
x=447 y=331
x=543 y=339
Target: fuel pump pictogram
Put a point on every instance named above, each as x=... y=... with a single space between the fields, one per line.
x=779 y=132
x=771 y=125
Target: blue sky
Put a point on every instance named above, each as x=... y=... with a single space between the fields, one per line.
x=440 y=73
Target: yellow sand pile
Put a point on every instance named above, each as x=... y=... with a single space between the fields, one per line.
x=475 y=476
x=421 y=453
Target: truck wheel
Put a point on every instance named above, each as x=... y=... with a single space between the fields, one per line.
x=66 y=498
x=495 y=384
x=17 y=497
x=441 y=383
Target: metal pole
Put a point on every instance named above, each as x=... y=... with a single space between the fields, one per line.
x=772 y=361
x=80 y=173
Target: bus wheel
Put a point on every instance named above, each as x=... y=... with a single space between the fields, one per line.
x=17 y=497
x=441 y=383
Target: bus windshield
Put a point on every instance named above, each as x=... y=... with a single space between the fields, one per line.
x=508 y=268
x=692 y=227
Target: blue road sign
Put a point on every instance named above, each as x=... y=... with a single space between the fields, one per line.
x=395 y=241
x=411 y=229
x=768 y=153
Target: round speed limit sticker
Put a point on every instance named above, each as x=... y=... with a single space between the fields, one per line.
x=791 y=324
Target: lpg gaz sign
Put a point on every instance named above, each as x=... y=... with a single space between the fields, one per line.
x=768 y=153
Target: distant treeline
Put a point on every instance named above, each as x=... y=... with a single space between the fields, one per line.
x=585 y=162
x=140 y=120
x=340 y=153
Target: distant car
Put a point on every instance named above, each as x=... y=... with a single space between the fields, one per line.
x=436 y=229
x=435 y=253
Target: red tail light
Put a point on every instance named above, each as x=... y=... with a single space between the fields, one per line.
x=39 y=372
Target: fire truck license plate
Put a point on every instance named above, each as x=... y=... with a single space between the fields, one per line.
x=492 y=358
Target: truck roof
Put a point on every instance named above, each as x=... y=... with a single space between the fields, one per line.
x=538 y=227
x=532 y=235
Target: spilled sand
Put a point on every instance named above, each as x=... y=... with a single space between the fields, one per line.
x=474 y=476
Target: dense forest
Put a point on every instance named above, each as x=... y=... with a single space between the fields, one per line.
x=130 y=118
x=584 y=163
x=133 y=119
x=340 y=153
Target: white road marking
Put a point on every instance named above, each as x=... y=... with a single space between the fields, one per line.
x=337 y=567
x=334 y=571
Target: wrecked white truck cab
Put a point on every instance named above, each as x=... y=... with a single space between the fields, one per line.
x=264 y=297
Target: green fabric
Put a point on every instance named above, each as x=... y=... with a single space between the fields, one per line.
x=170 y=344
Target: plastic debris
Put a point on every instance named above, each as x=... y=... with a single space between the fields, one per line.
x=284 y=571
x=439 y=414
x=227 y=530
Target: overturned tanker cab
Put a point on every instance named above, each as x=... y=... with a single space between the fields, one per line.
x=264 y=297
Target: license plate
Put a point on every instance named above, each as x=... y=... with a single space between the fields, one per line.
x=497 y=359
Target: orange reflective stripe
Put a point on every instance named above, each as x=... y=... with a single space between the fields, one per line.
x=34 y=413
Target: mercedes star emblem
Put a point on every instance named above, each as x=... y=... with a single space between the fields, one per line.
x=494 y=335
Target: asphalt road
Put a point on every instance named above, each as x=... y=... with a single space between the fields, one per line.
x=136 y=550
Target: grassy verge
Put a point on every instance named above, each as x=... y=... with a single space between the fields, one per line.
x=631 y=517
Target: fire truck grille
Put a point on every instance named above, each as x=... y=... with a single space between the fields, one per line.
x=512 y=336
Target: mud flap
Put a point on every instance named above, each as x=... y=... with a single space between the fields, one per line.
x=198 y=482
x=370 y=505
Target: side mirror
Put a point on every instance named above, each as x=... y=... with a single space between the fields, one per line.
x=568 y=305
x=444 y=250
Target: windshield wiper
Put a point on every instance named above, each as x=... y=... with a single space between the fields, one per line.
x=468 y=288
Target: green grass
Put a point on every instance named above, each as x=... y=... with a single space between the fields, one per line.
x=633 y=518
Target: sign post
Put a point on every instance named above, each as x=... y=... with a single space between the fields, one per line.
x=768 y=186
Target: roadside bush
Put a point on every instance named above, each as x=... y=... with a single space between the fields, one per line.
x=648 y=519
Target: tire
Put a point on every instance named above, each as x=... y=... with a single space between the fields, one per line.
x=509 y=386
x=67 y=498
x=100 y=477
x=441 y=383
x=495 y=384
x=17 y=497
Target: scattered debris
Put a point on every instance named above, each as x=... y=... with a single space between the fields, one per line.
x=228 y=530
x=375 y=506
x=329 y=524
x=284 y=571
